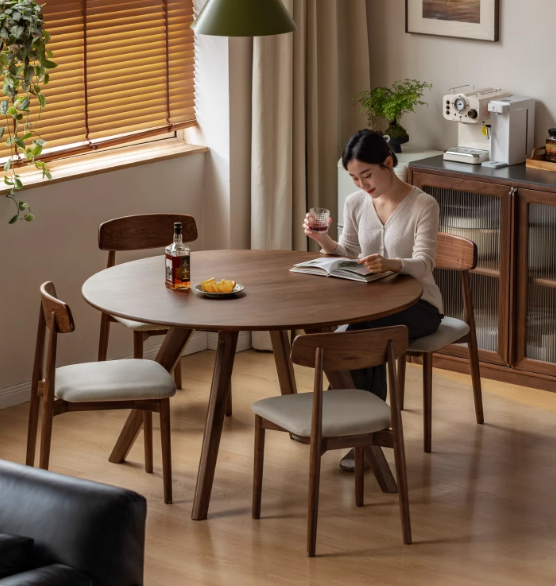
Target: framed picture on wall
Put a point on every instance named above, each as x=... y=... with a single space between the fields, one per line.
x=466 y=19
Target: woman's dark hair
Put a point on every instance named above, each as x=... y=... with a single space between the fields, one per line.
x=368 y=146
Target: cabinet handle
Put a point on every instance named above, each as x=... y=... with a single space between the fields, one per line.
x=513 y=190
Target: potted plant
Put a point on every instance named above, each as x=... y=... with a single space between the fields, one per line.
x=391 y=104
x=25 y=62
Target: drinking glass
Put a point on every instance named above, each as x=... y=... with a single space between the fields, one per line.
x=318 y=219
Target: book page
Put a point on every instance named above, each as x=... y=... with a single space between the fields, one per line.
x=325 y=263
x=352 y=266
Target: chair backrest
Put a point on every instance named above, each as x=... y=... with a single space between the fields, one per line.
x=55 y=310
x=144 y=231
x=455 y=253
x=350 y=350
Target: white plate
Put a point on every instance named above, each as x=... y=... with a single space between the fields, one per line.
x=237 y=289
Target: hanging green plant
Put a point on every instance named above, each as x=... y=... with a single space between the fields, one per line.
x=25 y=62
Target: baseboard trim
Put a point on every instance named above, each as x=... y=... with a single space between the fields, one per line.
x=200 y=341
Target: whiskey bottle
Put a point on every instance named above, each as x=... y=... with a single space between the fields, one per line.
x=178 y=267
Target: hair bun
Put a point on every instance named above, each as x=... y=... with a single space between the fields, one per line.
x=386 y=137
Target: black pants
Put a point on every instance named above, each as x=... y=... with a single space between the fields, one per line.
x=421 y=319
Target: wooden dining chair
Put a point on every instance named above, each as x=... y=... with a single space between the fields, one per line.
x=140 y=232
x=116 y=384
x=338 y=419
x=455 y=254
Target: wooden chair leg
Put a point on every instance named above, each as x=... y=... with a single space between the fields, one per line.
x=46 y=434
x=148 y=439
x=314 y=486
x=401 y=379
x=359 y=476
x=258 y=467
x=403 y=493
x=177 y=375
x=104 y=335
x=137 y=344
x=476 y=379
x=32 y=427
x=166 y=449
x=427 y=401
x=229 y=403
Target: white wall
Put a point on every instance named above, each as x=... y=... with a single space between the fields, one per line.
x=521 y=63
x=223 y=111
x=61 y=246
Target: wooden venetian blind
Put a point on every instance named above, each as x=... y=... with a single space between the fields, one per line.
x=125 y=71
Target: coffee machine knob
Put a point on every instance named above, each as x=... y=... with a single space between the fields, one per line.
x=472 y=114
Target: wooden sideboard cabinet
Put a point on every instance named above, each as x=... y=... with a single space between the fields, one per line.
x=511 y=215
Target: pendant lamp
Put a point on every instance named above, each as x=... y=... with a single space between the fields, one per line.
x=243 y=18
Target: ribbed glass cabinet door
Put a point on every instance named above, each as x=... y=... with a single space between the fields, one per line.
x=536 y=295
x=479 y=212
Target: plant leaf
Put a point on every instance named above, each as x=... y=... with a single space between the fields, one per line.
x=14 y=219
x=4 y=105
x=23 y=205
x=18 y=184
x=7 y=165
x=40 y=141
x=7 y=181
x=29 y=217
x=2 y=130
x=42 y=100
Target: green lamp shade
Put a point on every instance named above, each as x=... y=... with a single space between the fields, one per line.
x=243 y=18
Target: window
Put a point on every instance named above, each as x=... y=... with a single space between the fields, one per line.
x=125 y=72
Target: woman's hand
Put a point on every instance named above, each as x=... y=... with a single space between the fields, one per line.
x=378 y=264
x=318 y=236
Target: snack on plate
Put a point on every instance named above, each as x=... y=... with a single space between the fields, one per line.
x=224 y=286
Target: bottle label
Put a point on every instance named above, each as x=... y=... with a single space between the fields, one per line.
x=551 y=148
x=184 y=268
x=169 y=270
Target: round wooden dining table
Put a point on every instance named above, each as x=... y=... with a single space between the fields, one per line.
x=274 y=300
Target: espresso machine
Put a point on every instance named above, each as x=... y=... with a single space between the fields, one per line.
x=495 y=129
x=470 y=110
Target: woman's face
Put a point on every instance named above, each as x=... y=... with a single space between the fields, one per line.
x=374 y=179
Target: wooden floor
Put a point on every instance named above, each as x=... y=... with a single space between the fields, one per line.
x=483 y=505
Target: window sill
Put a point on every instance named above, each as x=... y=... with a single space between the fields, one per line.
x=105 y=161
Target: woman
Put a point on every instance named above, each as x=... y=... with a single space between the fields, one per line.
x=394 y=227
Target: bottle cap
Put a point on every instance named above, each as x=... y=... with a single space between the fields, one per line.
x=552 y=132
x=177 y=227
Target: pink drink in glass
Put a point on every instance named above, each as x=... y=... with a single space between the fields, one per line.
x=318 y=219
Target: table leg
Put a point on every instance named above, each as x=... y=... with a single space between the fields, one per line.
x=341 y=379
x=284 y=367
x=170 y=352
x=225 y=354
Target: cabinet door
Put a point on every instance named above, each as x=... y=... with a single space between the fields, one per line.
x=535 y=340
x=481 y=212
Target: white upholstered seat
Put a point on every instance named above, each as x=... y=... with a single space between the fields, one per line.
x=114 y=380
x=450 y=330
x=138 y=326
x=344 y=412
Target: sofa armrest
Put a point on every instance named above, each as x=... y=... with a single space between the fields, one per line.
x=95 y=528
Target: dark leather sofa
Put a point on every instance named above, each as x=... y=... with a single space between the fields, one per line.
x=85 y=533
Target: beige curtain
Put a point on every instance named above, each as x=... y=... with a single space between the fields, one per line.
x=303 y=113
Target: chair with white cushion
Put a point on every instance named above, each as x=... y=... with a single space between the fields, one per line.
x=338 y=419
x=139 y=232
x=116 y=384
x=456 y=254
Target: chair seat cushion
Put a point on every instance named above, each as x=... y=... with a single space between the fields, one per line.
x=450 y=330
x=14 y=551
x=344 y=412
x=115 y=380
x=53 y=575
x=138 y=326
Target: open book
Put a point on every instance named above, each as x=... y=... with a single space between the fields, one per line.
x=343 y=268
